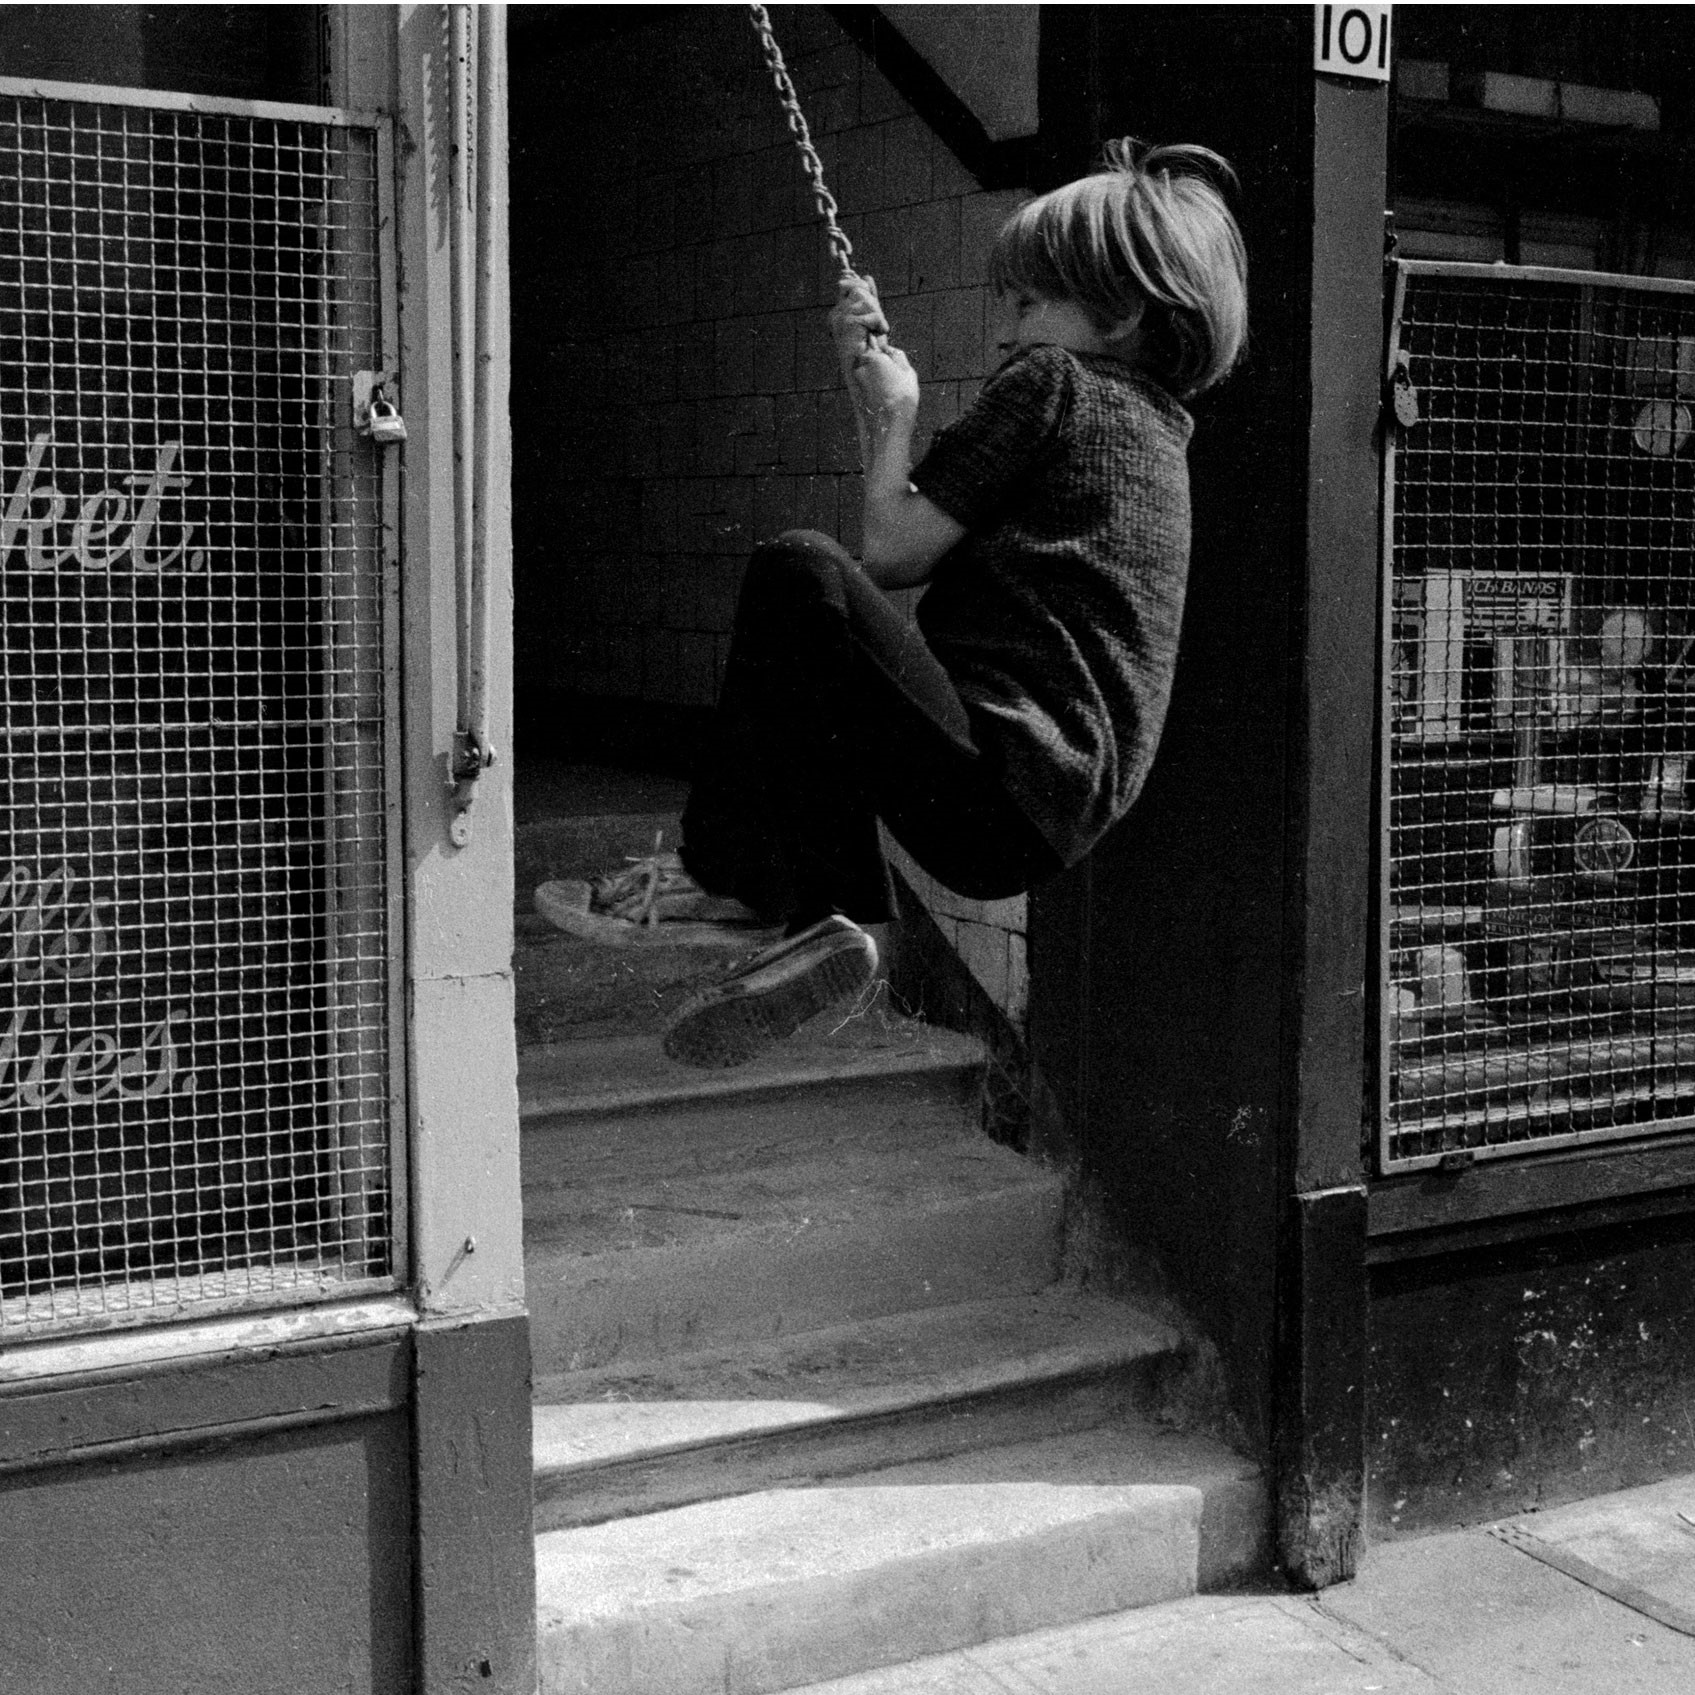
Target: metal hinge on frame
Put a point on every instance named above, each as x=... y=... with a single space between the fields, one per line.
x=1403 y=392
x=470 y=758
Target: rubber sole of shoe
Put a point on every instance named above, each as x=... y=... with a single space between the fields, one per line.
x=727 y=1025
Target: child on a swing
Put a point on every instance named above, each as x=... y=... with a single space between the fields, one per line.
x=1001 y=738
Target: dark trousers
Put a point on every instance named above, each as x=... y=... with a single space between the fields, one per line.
x=834 y=714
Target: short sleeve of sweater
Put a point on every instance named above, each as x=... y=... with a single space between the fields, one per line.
x=975 y=464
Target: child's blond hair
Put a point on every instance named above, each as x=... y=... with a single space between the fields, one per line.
x=1149 y=229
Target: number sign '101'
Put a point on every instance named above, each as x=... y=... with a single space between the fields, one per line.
x=1351 y=41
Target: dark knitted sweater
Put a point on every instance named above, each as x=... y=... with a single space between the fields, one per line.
x=1057 y=614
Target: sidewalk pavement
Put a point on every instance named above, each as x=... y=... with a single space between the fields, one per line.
x=1596 y=1598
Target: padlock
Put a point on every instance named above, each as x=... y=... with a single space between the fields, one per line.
x=386 y=423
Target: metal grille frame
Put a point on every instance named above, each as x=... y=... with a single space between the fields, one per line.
x=1536 y=943
x=201 y=926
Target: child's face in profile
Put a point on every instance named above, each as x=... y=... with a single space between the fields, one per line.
x=1033 y=320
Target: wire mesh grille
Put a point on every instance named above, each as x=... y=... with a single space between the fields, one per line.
x=194 y=973
x=1540 y=931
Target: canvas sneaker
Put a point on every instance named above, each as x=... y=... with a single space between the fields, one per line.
x=773 y=994
x=652 y=902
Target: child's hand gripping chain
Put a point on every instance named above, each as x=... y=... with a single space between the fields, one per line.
x=878 y=376
x=856 y=320
x=880 y=379
x=902 y=533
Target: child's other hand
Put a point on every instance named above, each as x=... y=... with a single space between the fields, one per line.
x=855 y=318
x=883 y=384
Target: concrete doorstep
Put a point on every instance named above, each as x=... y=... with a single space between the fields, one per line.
x=919 y=1385
x=764 y=1592
x=1463 y=1613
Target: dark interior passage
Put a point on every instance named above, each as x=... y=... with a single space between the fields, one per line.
x=674 y=394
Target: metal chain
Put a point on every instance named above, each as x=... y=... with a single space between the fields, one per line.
x=825 y=201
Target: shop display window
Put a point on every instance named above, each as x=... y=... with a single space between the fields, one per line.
x=196 y=935
x=1538 y=880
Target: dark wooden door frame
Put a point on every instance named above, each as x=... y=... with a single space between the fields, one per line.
x=1319 y=1432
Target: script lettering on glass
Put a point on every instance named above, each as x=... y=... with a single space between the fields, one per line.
x=110 y=526
x=48 y=933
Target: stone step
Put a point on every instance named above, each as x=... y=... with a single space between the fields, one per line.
x=566 y=989
x=871 y=1051
x=839 y=1179
x=768 y=1591
x=638 y=1438
x=1235 y=1527
x=767 y=1216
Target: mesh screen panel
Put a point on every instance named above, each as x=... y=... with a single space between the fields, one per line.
x=1539 y=936
x=194 y=929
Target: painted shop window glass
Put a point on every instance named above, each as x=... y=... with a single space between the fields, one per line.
x=195 y=928
x=1538 y=935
